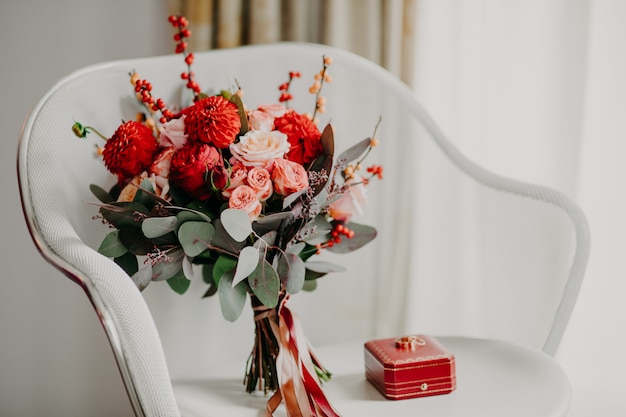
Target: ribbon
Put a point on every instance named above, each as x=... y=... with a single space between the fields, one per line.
x=300 y=388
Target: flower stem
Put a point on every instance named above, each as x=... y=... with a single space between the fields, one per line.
x=81 y=131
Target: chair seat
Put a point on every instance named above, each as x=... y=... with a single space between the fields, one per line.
x=494 y=378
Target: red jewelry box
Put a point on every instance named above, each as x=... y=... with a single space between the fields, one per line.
x=409 y=367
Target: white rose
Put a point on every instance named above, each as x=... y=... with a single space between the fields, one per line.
x=259 y=148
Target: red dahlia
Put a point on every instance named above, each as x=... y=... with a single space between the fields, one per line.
x=303 y=136
x=130 y=150
x=213 y=120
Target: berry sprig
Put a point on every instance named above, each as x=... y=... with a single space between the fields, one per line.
x=376 y=171
x=316 y=88
x=181 y=23
x=285 y=95
x=143 y=89
x=339 y=231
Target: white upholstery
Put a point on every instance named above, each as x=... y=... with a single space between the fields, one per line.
x=158 y=334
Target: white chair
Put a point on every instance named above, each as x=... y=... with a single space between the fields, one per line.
x=176 y=354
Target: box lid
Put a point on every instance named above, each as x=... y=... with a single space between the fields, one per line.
x=409 y=352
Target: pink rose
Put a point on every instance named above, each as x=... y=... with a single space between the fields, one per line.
x=350 y=203
x=259 y=180
x=173 y=133
x=160 y=170
x=263 y=117
x=162 y=161
x=260 y=120
x=258 y=148
x=238 y=176
x=274 y=110
x=289 y=177
x=245 y=198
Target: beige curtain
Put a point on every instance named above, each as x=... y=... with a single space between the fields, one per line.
x=380 y=30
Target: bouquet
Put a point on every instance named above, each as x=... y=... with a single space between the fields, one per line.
x=246 y=196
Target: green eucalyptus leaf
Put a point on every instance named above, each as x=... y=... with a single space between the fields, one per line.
x=195 y=237
x=363 y=234
x=312 y=276
x=291 y=198
x=354 y=152
x=223 y=265
x=246 y=264
x=158 y=226
x=223 y=240
x=188 y=267
x=317 y=230
x=101 y=194
x=210 y=292
x=168 y=267
x=232 y=299
x=186 y=215
x=265 y=284
x=309 y=286
x=134 y=240
x=267 y=240
x=207 y=274
x=111 y=246
x=236 y=223
x=270 y=222
x=168 y=240
x=124 y=214
x=323 y=267
x=291 y=271
x=142 y=277
x=297 y=248
x=307 y=252
x=179 y=283
x=145 y=194
x=128 y=262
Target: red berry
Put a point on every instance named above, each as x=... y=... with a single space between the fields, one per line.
x=184 y=76
x=285 y=97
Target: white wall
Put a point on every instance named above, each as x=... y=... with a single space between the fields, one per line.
x=54 y=357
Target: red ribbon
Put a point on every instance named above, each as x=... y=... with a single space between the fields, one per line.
x=300 y=388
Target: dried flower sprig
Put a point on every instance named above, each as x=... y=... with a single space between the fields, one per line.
x=316 y=88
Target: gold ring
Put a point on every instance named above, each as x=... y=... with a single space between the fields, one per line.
x=409 y=342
